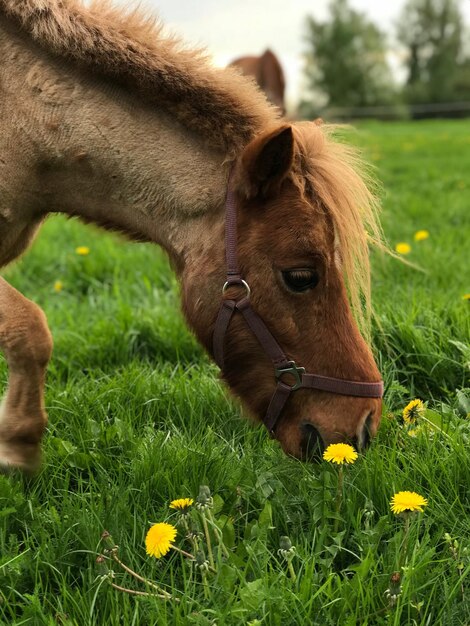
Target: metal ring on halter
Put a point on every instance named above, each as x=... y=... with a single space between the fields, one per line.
x=240 y=282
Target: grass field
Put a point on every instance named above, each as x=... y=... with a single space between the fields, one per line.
x=138 y=418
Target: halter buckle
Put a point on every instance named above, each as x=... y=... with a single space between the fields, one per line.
x=294 y=371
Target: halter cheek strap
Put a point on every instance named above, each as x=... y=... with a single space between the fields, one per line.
x=288 y=375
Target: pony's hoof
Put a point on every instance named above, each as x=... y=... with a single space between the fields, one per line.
x=14 y=457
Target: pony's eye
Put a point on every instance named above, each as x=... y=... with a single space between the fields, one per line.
x=300 y=279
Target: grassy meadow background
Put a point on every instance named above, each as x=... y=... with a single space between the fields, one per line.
x=138 y=418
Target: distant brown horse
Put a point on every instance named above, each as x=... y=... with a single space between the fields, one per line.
x=267 y=72
x=103 y=118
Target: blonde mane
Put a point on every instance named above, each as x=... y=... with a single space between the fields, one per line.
x=220 y=105
x=336 y=174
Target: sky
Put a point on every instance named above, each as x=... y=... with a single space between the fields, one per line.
x=232 y=28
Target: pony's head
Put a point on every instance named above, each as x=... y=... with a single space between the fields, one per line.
x=302 y=244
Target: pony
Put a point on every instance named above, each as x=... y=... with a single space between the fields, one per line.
x=267 y=71
x=105 y=119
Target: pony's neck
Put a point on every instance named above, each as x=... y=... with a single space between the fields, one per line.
x=135 y=169
x=107 y=157
x=142 y=174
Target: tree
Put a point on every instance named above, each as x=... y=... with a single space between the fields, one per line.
x=346 y=60
x=432 y=32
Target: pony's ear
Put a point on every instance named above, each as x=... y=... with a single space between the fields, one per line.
x=265 y=163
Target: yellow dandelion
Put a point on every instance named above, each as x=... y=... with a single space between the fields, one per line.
x=82 y=250
x=403 y=248
x=466 y=296
x=421 y=235
x=340 y=453
x=58 y=286
x=159 y=538
x=413 y=411
x=407 y=501
x=182 y=504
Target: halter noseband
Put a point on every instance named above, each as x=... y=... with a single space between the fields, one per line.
x=283 y=366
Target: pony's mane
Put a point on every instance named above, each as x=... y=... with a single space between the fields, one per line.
x=223 y=107
x=336 y=174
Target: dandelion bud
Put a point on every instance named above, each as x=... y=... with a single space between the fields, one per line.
x=286 y=549
x=107 y=539
x=194 y=532
x=201 y=562
x=204 y=499
x=394 y=590
x=285 y=543
x=369 y=508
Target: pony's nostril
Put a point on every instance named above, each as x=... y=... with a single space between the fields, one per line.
x=364 y=435
x=311 y=443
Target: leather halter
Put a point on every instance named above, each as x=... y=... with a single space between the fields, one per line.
x=283 y=366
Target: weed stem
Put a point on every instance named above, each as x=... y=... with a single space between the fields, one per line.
x=208 y=539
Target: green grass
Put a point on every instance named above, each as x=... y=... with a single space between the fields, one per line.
x=138 y=418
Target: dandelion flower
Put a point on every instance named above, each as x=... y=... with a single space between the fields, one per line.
x=58 y=286
x=340 y=453
x=159 y=538
x=413 y=411
x=403 y=248
x=182 y=504
x=466 y=296
x=421 y=235
x=82 y=250
x=407 y=501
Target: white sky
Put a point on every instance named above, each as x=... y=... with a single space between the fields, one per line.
x=231 y=28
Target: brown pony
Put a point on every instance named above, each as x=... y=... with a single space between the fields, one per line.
x=267 y=71
x=103 y=118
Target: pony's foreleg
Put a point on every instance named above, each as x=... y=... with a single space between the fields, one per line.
x=27 y=345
